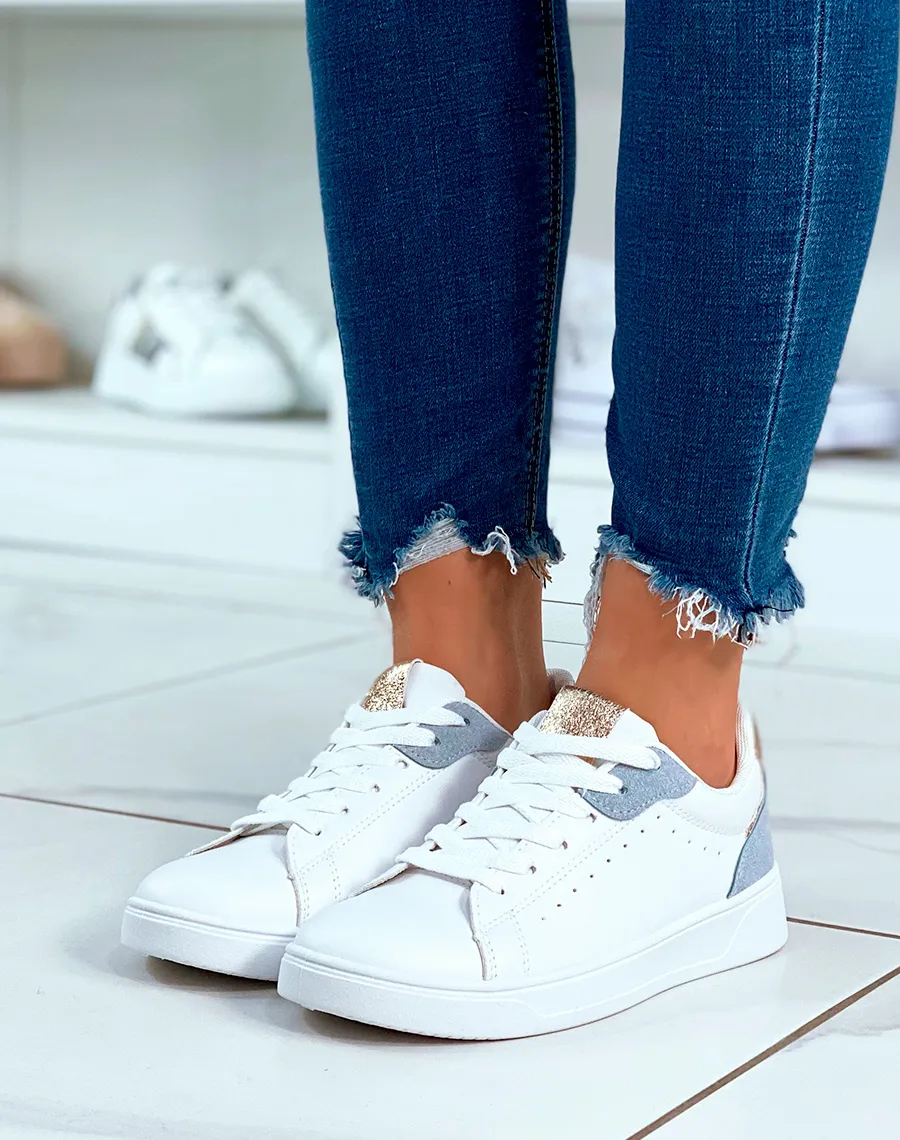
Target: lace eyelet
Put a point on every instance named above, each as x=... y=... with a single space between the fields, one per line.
x=435 y=742
x=533 y=869
x=565 y=845
x=466 y=721
x=376 y=788
x=316 y=834
x=345 y=811
x=404 y=763
x=622 y=791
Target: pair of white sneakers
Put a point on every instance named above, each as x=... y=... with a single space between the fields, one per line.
x=186 y=343
x=586 y=870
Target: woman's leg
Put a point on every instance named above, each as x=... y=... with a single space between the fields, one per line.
x=754 y=141
x=753 y=146
x=446 y=154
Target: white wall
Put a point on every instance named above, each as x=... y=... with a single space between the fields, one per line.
x=136 y=141
x=125 y=140
x=7 y=171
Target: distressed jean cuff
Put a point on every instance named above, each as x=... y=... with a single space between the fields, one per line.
x=699 y=609
x=443 y=532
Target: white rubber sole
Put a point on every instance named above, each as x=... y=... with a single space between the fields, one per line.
x=741 y=930
x=123 y=381
x=861 y=420
x=177 y=938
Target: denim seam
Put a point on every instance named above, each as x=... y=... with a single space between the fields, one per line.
x=551 y=279
x=791 y=324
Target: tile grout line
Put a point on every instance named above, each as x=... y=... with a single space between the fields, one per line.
x=154 y=596
x=280 y=657
x=111 y=811
x=79 y=437
x=783 y=1043
x=847 y=929
x=138 y=557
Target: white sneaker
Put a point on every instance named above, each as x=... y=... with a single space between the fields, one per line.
x=860 y=418
x=583 y=382
x=175 y=346
x=565 y=891
x=402 y=761
x=294 y=333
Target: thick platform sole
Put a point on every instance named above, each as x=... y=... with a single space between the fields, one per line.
x=740 y=930
x=176 y=938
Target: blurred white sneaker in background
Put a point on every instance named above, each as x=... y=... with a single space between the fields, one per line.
x=176 y=346
x=293 y=333
x=583 y=383
x=860 y=418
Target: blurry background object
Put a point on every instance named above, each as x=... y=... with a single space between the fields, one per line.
x=583 y=383
x=860 y=419
x=176 y=346
x=32 y=350
x=293 y=333
x=183 y=342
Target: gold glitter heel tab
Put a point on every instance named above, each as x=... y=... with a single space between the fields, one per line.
x=388 y=691
x=579 y=712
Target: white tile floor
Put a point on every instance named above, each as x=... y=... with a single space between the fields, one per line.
x=170 y=698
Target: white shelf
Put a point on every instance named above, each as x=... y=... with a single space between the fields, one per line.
x=187 y=9
x=243 y=9
x=91 y=476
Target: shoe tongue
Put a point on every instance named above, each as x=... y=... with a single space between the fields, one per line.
x=413 y=685
x=579 y=712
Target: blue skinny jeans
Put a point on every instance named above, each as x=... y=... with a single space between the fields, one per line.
x=753 y=145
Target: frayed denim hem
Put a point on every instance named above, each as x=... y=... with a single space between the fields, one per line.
x=697 y=610
x=442 y=533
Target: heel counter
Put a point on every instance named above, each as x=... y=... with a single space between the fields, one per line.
x=757 y=857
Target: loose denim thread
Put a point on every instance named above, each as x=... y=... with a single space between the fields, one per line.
x=443 y=532
x=697 y=610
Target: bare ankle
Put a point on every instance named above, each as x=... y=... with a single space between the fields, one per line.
x=687 y=688
x=469 y=615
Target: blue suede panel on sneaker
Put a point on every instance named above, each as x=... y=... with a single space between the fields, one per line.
x=757 y=857
x=478 y=734
x=641 y=789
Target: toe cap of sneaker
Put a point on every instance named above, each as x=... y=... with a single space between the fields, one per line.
x=242 y=885
x=414 y=928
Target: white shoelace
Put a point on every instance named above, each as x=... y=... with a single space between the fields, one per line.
x=191 y=308
x=524 y=804
x=349 y=767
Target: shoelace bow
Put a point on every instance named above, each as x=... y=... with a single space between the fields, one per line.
x=537 y=777
x=357 y=750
